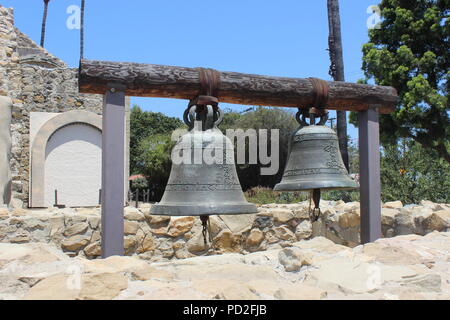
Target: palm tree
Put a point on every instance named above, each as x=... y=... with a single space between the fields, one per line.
x=82 y=30
x=44 y=22
x=337 y=71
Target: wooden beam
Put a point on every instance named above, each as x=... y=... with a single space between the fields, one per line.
x=369 y=177
x=113 y=164
x=150 y=80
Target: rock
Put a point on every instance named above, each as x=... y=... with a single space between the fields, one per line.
x=101 y=286
x=303 y=230
x=439 y=221
x=388 y=216
x=293 y=259
x=94 y=222
x=322 y=244
x=300 y=292
x=237 y=292
x=354 y=276
x=226 y=242
x=391 y=254
x=216 y=225
x=404 y=223
x=282 y=215
x=75 y=243
x=301 y=213
x=158 y=219
x=55 y=288
x=180 y=225
x=196 y=244
x=78 y=228
x=147 y=244
x=263 y=222
x=284 y=233
x=350 y=206
x=134 y=214
x=238 y=224
x=96 y=236
x=56 y=225
x=428 y=204
x=24 y=238
x=131 y=227
x=93 y=250
x=349 y=219
x=424 y=283
x=255 y=238
x=393 y=205
x=166 y=248
x=4 y=214
x=151 y=273
x=129 y=244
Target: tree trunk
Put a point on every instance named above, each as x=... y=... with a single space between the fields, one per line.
x=82 y=30
x=337 y=72
x=44 y=22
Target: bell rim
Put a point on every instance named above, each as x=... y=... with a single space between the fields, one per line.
x=312 y=185
x=199 y=210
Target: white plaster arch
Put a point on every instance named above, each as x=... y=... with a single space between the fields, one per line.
x=38 y=149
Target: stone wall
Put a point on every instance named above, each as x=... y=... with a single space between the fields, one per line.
x=159 y=238
x=36 y=81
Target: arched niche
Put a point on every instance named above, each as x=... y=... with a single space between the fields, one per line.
x=39 y=147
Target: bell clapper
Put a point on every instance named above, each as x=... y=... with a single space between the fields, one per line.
x=315 y=213
x=205 y=223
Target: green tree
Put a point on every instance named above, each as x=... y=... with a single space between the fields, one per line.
x=154 y=161
x=411 y=173
x=144 y=124
x=411 y=53
x=263 y=118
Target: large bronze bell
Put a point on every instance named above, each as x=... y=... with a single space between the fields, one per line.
x=198 y=186
x=314 y=161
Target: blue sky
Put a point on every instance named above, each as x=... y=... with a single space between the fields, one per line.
x=281 y=38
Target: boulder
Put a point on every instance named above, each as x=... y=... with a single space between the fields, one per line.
x=99 y=286
x=238 y=224
x=180 y=225
x=393 y=205
x=388 y=216
x=303 y=230
x=131 y=227
x=134 y=214
x=293 y=259
x=78 y=228
x=284 y=233
x=255 y=238
x=93 y=250
x=75 y=243
x=349 y=219
x=299 y=292
x=282 y=215
x=439 y=221
x=227 y=242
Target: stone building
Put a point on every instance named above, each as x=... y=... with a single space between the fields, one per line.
x=56 y=131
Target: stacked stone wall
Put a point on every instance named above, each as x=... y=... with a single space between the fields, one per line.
x=36 y=81
x=159 y=238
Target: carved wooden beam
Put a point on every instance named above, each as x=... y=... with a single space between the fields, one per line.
x=150 y=80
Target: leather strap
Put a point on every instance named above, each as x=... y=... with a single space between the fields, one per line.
x=321 y=91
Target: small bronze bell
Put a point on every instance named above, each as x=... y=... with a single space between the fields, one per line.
x=198 y=188
x=314 y=161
